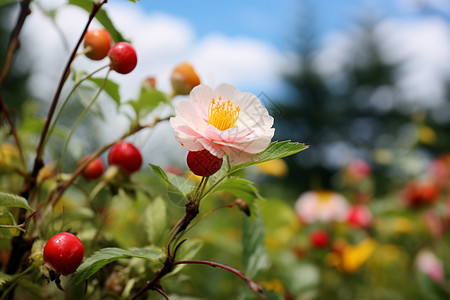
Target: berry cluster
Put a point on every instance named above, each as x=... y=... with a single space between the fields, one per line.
x=98 y=45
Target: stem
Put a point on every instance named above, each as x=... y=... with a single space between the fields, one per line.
x=77 y=122
x=40 y=149
x=67 y=100
x=4 y=109
x=251 y=284
x=14 y=42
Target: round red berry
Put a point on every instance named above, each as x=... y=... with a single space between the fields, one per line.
x=126 y=156
x=203 y=163
x=123 y=57
x=319 y=238
x=94 y=169
x=99 y=42
x=63 y=253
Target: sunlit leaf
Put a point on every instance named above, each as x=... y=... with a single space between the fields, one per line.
x=110 y=87
x=108 y=255
x=149 y=99
x=254 y=253
x=274 y=151
x=102 y=17
x=156 y=221
x=179 y=186
x=11 y=200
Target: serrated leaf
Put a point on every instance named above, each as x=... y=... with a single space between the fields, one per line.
x=148 y=100
x=5 y=278
x=274 y=151
x=108 y=255
x=254 y=253
x=11 y=200
x=110 y=87
x=179 y=186
x=102 y=17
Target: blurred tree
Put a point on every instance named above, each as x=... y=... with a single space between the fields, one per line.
x=342 y=117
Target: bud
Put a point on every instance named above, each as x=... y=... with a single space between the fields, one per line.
x=184 y=79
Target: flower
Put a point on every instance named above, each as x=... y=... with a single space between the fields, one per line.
x=223 y=121
x=428 y=263
x=321 y=206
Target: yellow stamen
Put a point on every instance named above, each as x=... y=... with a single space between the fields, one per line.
x=222 y=115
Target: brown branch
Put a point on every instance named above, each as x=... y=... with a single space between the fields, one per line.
x=40 y=149
x=250 y=283
x=13 y=131
x=14 y=42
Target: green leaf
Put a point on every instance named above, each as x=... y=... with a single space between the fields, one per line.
x=241 y=188
x=102 y=17
x=11 y=200
x=110 y=87
x=156 y=221
x=149 y=99
x=429 y=289
x=274 y=151
x=107 y=255
x=254 y=254
x=179 y=187
x=5 y=278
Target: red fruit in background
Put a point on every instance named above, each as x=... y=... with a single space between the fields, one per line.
x=319 y=238
x=123 y=57
x=126 y=156
x=419 y=193
x=359 y=216
x=99 y=42
x=94 y=169
x=203 y=163
x=63 y=253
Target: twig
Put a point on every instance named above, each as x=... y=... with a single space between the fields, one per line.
x=14 y=42
x=250 y=283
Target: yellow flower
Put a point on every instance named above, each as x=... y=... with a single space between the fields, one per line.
x=354 y=256
x=275 y=168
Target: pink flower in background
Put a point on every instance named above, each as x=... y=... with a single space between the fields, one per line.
x=360 y=216
x=428 y=263
x=321 y=206
x=223 y=121
x=358 y=170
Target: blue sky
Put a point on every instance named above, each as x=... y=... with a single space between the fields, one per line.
x=272 y=21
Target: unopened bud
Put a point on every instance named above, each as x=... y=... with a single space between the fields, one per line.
x=242 y=205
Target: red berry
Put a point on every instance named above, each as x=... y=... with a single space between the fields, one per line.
x=63 y=253
x=126 y=156
x=94 y=169
x=99 y=42
x=123 y=57
x=319 y=238
x=203 y=163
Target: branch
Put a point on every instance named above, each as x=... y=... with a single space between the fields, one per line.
x=14 y=42
x=40 y=149
x=251 y=284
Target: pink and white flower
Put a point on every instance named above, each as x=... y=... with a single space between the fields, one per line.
x=430 y=264
x=224 y=121
x=321 y=206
